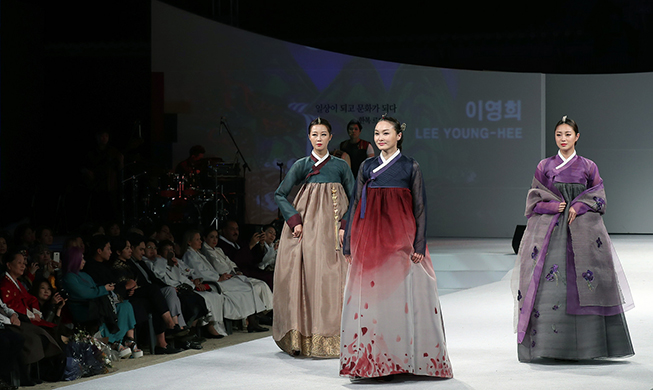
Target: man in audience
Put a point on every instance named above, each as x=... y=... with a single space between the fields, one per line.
x=241 y=252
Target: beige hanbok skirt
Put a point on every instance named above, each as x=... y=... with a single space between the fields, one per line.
x=310 y=275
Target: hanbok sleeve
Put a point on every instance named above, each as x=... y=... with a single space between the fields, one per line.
x=419 y=208
x=354 y=198
x=81 y=290
x=348 y=183
x=534 y=202
x=593 y=199
x=295 y=176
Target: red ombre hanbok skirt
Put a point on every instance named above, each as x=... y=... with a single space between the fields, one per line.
x=391 y=319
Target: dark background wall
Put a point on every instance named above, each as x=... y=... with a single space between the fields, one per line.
x=71 y=69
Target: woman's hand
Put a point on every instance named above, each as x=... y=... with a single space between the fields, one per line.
x=14 y=320
x=56 y=298
x=348 y=258
x=562 y=206
x=572 y=215
x=256 y=239
x=33 y=268
x=109 y=286
x=341 y=237
x=416 y=257
x=297 y=231
x=224 y=277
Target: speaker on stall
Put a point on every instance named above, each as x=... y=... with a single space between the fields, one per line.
x=516 y=238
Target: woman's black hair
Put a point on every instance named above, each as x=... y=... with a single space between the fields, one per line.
x=319 y=121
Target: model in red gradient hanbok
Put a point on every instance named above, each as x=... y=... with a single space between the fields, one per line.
x=391 y=318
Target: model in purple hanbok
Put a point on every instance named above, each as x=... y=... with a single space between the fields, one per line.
x=570 y=290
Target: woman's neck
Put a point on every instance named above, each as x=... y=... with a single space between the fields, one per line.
x=568 y=153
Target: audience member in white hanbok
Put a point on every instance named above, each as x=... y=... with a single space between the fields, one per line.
x=213 y=322
x=223 y=265
x=176 y=275
x=240 y=300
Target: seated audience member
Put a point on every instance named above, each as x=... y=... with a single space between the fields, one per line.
x=112 y=229
x=19 y=346
x=213 y=322
x=84 y=293
x=16 y=295
x=24 y=235
x=22 y=310
x=240 y=300
x=41 y=255
x=223 y=265
x=75 y=241
x=4 y=246
x=50 y=303
x=178 y=277
x=101 y=269
x=44 y=236
x=145 y=276
x=265 y=253
x=11 y=346
x=241 y=252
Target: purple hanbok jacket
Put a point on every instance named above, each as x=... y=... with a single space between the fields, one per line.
x=596 y=284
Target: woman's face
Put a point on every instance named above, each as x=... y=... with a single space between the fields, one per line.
x=212 y=239
x=29 y=236
x=320 y=137
x=386 y=137
x=44 y=291
x=82 y=264
x=195 y=242
x=3 y=246
x=126 y=252
x=46 y=237
x=566 y=138
x=270 y=235
x=17 y=266
x=150 y=250
x=114 y=230
x=44 y=257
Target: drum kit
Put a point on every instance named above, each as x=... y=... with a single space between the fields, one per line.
x=190 y=198
x=194 y=197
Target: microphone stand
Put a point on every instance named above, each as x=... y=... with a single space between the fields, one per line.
x=223 y=123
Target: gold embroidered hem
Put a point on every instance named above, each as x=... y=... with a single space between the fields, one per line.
x=295 y=344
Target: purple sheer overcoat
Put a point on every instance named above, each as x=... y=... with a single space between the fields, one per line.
x=596 y=283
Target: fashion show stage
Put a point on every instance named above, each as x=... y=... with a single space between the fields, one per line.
x=480 y=339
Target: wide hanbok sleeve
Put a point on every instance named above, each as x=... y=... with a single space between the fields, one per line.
x=354 y=199
x=348 y=183
x=158 y=266
x=419 y=208
x=199 y=265
x=295 y=176
x=593 y=199
x=535 y=204
x=82 y=287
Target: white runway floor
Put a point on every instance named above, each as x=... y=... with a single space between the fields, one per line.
x=481 y=345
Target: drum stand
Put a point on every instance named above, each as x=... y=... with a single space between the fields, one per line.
x=134 y=182
x=220 y=210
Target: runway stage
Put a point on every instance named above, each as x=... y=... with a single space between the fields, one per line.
x=481 y=344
